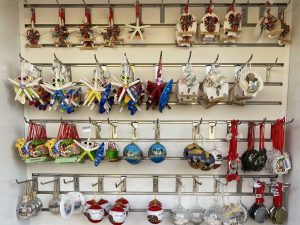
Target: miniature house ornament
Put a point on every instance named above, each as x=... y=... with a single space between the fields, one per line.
x=186 y=28
x=232 y=24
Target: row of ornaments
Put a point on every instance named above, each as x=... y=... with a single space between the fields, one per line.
x=104 y=90
x=186 y=28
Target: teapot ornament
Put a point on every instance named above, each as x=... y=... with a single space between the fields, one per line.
x=210 y=25
x=158 y=91
x=129 y=92
x=32 y=34
x=188 y=85
x=186 y=28
x=232 y=24
x=155 y=212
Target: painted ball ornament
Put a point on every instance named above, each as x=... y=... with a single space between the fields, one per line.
x=155 y=212
x=124 y=203
x=95 y=213
x=106 y=205
x=157 y=152
x=132 y=153
x=117 y=215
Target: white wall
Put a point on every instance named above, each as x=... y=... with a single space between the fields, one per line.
x=12 y=124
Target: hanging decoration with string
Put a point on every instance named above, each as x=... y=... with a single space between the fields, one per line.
x=232 y=24
x=32 y=35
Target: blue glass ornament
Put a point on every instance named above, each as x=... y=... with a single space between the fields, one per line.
x=157 y=152
x=132 y=153
x=99 y=155
x=164 y=98
x=105 y=104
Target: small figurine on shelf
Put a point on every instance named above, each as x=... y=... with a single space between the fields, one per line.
x=62 y=94
x=186 y=28
x=137 y=29
x=33 y=35
x=130 y=92
x=111 y=35
x=87 y=31
x=27 y=84
x=61 y=31
x=156 y=89
x=188 y=84
x=98 y=92
x=210 y=24
x=232 y=24
x=286 y=29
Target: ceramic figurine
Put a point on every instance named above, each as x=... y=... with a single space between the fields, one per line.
x=232 y=24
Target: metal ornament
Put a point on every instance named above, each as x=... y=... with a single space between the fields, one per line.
x=232 y=24
x=54 y=203
x=23 y=210
x=186 y=28
x=137 y=28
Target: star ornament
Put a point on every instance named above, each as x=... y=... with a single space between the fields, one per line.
x=87 y=147
x=137 y=28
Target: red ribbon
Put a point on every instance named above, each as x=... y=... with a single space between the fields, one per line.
x=232 y=6
x=33 y=17
x=159 y=69
x=186 y=8
x=262 y=136
x=233 y=141
x=259 y=193
x=277 y=195
x=111 y=16
x=251 y=135
x=36 y=132
x=67 y=131
x=209 y=9
x=277 y=134
x=137 y=9
x=62 y=15
x=87 y=14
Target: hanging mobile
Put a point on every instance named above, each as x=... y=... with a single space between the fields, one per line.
x=32 y=35
x=137 y=29
x=278 y=214
x=132 y=152
x=87 y=31
x=210 y=25
x=111 y=34
x=61 y=32
x=232 y=24
x=186 y=28
x=157 y=152
x=188 y=84
x=130 y=91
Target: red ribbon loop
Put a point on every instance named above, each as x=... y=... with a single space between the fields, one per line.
x=262 y=136
x=259 y=193
x=137 y=9
x=62 y=15
x=111 y=16
x=87 y=14
x=277 y=195
x=33 y=17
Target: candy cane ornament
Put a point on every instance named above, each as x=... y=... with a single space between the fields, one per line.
x=137 y=28
x=33 y=35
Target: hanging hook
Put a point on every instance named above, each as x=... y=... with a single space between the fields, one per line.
x=25 y=181
x=157 y=130
x=246 y=63
x=84 y=3
x=190 y=56
x=47 y=182
x=217 y=59
x=289 y=122
x=108 y=2
x=269 y=67
x=68 y=182
x=57 y=1
x=25 y=120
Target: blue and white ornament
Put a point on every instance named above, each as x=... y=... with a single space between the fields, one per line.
x=132 y=153
x=157 y=152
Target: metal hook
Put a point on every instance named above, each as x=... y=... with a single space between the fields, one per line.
x=84 y=3
x=215 y=62
x=58 y=3
x=179 y=184
x=108 y=2
x=197 y=182
x=123 y=182
x=289 y=122
x=47 y=182
x=68 y=182
x=246 y=63
x=269 y=67
x=25 y=120
x=190 y=56
x=157 y=129
x=25 y=181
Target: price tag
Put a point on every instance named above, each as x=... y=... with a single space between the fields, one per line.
x=87 y=129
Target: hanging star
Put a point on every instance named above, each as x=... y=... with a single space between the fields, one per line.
x=87 y=147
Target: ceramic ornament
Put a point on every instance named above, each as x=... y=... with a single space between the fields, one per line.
x=87 y=31
x=186 y=28
x=286 y=30
x=188 y=84
x=25 y=84
x=117 y=215
x=232 y=24
x=95 y=213
x=210 y=25
x=155 y=212
x=111 y=34
x=137 y=29
x=61 y=32
x=62 y=95
x=106 y=205
x=130 y=92
x=33 y=35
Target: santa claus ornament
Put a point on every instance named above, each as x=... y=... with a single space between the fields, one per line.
x=155 y=212
x=210 y=24
x=117 y=215
x=33 y=35
x=232 y=24
x=186 y=28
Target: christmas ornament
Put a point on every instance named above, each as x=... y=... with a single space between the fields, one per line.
x=87 y=148
x=196 y=213
x=130 y=92
x=157 y=152
x=26 y=83
x=232 y=24
x=66 y=206
x=111 y=34
x=250 y=156
x=186 y=28
x=218 y=158
x=179 y=215
x=78 y=202
x=24 y=210
x=210 y=25
x=286 y=29
x=112 y=152
x=95 y=213
x=106 y=205
x=262 y=157
x=33 y=35
x=259 y=212
x=62 y=95
x=155 y=212
x=188 y=84
x=87 y=31
x=124 y=203
x=61 y=32
x=214 y=215
x=165 y=95
x=117 y=215
x=233 y=160
x=132 y=153
x=54 y=203
x=137 y=29
x=278 y=214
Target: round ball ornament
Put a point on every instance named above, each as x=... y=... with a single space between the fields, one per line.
x=157 y=152
x=24 y=210
x=132 y=153
x=106 y=205
x=214 y=215
x=117 y=215
x=179 y=215
x=95 y=213
x=196 y=214
x=124 y=203
x=218 y=158
x=54 y=204
x=155 y=212
x=197 y=157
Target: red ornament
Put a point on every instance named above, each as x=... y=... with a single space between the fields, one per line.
x=124 y=203
x=95 y=213
x=88 y=204
x=155 y=212
x=117 y=215
x=106 y=205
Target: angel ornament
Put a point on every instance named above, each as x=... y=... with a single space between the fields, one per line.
x=33 y=35
x=26 y=83
x=137 y=29
x=210 y=24
x=232 y=24
x=214 y=86
x=61 y=31
x=62 y=94
x=130 y=92
x=186 y=28
x=98 y=92
x=188 y=85
x=111 y=34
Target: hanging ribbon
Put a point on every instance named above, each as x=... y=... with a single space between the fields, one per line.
x=232 y=6
x=233 y=161
x=186 y=8
x=111 y=16
x=33 y=17
x=277 y=195
x=259 y=193
x=137 y=9
x=251 y=135
x=277 y=134
x=262 y=136
x=62 y=16
x=159 y=69
x=87 y=14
